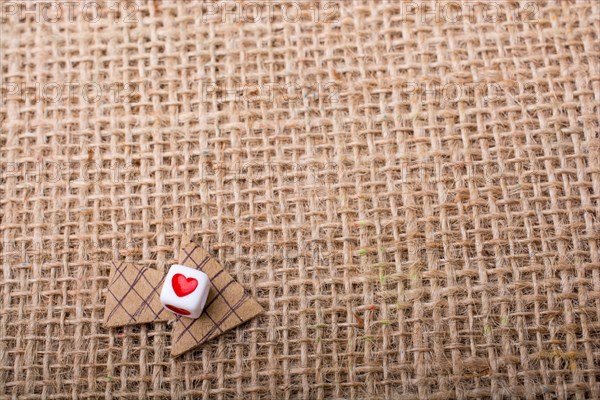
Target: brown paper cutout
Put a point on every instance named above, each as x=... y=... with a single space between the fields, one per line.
x=133 y=292
x=132 y=296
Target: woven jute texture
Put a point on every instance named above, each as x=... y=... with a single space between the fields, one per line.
x=411 y=191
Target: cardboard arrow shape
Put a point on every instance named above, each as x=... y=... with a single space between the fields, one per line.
x=132 y=297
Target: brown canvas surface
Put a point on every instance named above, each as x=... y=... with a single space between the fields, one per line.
x=411 y=192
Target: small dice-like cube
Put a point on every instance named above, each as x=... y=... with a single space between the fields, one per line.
x=185 y=290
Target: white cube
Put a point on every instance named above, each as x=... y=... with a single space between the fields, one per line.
x=184 y=291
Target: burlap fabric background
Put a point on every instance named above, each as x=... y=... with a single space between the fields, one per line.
x=412 y=197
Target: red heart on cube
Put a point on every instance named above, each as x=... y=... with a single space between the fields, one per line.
x=177 y=310
x=183 y=286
